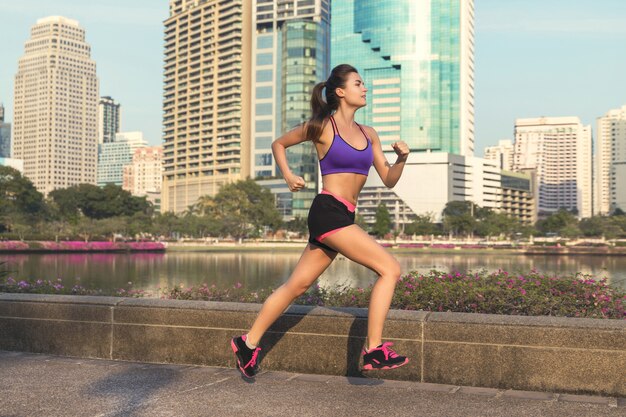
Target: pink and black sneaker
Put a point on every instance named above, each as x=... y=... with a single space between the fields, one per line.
x=246 y=357
x=382 y=357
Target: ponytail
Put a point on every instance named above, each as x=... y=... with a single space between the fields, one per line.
x=320 y=110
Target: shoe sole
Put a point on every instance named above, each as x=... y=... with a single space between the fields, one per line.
x=369 y=367
x=236 y=350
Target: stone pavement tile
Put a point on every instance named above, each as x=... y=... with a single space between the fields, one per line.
x=481 y=391
x=584 y=399
x=313 y=378
x=276 y=376
x=427 y=386
x=390 y=383
x=351 y=380
x=530 y=395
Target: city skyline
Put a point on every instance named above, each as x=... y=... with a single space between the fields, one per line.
x=553 y=60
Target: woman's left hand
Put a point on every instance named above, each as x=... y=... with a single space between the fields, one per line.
x=401 y=149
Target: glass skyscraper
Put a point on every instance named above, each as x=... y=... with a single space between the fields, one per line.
x=291 y=55
x=416 y=58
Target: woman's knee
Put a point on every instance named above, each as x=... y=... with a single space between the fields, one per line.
x=392 y=271
x=295 y=289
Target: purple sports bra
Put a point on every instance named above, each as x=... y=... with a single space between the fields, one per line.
x=343 y=157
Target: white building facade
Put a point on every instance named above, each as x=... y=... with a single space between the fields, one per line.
x=559 y=150
x=145 y=174
x=56 y=106
x=502 y=154
x=428 y=182
x=610 y=162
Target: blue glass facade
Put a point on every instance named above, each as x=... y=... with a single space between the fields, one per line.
x=5 y=140
x=292 y=54
x=409 y=54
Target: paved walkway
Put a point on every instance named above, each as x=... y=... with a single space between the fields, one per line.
x=44 y=385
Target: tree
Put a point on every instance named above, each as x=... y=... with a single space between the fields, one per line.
x=97 y=203
x=19 y=191
x=298 y=225
x=422 y=225
x=382 y=225
x=457 y=217
x=562 y=222
x=243 y=209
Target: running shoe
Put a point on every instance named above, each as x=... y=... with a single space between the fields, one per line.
x=382 y=357
x=246 y=357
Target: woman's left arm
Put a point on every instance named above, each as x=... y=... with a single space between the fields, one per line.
x=390 y=174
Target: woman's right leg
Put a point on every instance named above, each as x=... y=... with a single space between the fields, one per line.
x=312 y=263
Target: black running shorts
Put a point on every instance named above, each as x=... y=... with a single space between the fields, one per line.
x=327 y=215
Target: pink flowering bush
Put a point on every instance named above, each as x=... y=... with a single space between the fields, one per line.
x=443 y=246
x=13 y=245
x=530 y=294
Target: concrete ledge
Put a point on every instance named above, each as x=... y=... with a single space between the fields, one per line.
x=581 y=356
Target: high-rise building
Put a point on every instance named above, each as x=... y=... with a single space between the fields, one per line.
x=291 y=50
x=502 y=154
x=55 y=128
x=559 y=149
x=113 y=156
x=5 y=135
x=417 y=59
x=109 y=119
x=144 y=175
x=145 y=172
x=206 y=98
x=610 y=163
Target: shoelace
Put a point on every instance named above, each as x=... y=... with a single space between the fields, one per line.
x=389 y=353
x=254 y=356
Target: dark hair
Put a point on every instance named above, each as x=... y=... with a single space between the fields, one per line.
x=321 y=108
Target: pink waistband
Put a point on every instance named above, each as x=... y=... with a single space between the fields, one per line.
x=351 y=207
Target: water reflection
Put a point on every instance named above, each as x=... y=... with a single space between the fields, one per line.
x=268 y=269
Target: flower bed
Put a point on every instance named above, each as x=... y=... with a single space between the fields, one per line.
x=79 y=246
x=531 y=294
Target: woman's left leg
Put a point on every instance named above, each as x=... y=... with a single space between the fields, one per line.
x=355 y=244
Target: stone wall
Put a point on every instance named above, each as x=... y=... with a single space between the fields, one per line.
x=525 y=353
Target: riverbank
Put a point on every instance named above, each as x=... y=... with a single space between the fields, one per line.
x=419 y=248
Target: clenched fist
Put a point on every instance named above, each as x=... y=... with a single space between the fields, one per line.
x=295 y=183
x=401 y=149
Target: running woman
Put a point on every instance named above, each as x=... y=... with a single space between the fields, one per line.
x=346 y=151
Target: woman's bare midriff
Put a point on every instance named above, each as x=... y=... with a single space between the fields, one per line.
x=346 y=185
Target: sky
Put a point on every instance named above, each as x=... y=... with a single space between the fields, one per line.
x=533 y=58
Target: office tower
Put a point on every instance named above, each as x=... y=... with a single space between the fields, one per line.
x=5 y=135
x=113 y=156
x=291 y=53
x=55 y=128
x=109 y=119
x=144 y=175
x=559 y=149
x=417 y=60
x=502 y=154
x=610 y=163
x=206 y=98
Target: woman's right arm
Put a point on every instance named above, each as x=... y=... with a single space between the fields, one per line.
x=279 y=146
